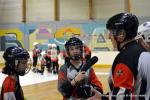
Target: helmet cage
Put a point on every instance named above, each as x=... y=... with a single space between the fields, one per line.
x=146 y=35
x=12 y=56
x=144 y=31
x=21 y=71
x=74 y=42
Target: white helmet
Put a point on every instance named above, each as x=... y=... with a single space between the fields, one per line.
x=35 y=43
x=144 y=31
x=49 y=45
x=54 y=45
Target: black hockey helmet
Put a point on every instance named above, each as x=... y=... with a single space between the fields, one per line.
x=12 y=56
x=126 y=21
x=74 y=41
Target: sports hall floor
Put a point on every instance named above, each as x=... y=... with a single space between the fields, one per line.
x=44 y=87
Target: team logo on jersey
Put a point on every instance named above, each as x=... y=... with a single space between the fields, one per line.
x=119 y=72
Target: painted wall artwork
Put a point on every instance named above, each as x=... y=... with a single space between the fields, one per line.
x=93 y=34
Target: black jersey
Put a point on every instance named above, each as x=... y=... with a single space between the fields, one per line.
x=128 y=70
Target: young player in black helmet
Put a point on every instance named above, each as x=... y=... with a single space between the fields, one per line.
x=128 y=65
x=73 y=83
x=16 y=64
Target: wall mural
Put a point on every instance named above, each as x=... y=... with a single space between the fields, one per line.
x=9 y=37
x=93 y=34
x=63 y=34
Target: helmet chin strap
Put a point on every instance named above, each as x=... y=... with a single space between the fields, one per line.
x=119 y=42
x=18 y=71
x=118 y=46
x=75 y=57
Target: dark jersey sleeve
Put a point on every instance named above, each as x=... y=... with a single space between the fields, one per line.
x=64 y=85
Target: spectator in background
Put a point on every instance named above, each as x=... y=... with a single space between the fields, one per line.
x=86 y=52
x=54 y=58
x=36 y=53
x=46 y=60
